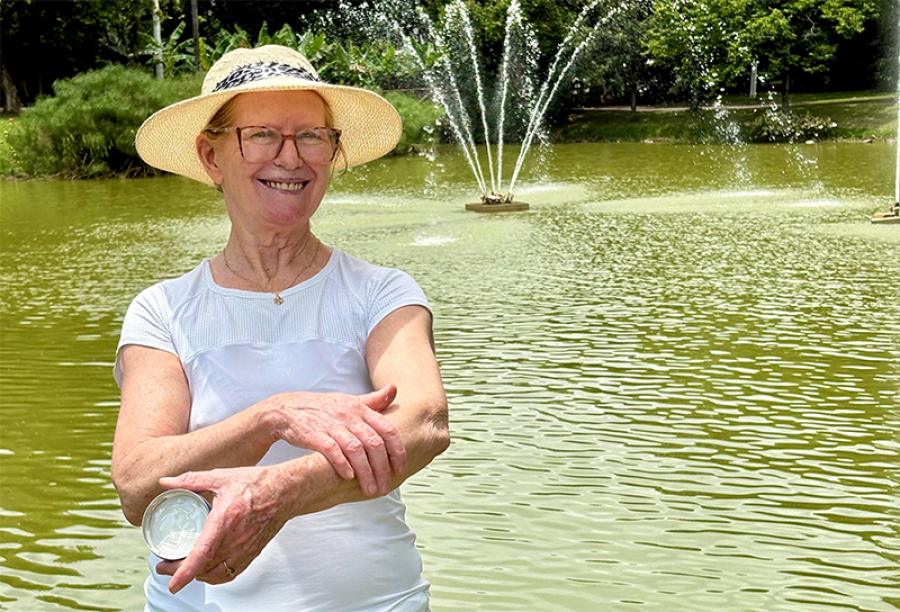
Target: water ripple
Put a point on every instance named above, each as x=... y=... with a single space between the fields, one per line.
x=661 y=399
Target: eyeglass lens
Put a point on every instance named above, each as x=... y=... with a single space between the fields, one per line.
x=260 y=144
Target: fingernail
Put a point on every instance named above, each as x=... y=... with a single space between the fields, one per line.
x=371 y=490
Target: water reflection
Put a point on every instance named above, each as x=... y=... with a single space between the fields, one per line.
x=668 y=392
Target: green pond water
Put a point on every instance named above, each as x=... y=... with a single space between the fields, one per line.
x=673 y=381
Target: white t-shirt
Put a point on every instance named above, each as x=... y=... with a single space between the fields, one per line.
x=238 y=348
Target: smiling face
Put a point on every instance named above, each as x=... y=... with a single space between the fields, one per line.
x=280 y=194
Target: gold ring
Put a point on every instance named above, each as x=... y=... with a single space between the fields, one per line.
x=228 y=570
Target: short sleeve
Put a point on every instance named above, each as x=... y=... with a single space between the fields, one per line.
x=389 y=290
x=147 y=323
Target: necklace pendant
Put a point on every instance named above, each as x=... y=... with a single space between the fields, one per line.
x=278 y=299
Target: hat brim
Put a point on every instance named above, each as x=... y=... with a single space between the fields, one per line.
x=370 y=126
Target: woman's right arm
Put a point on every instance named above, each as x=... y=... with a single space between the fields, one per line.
x=152 y=439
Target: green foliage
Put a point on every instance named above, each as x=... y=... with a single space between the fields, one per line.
x=619 y=65
x=712 y=43
x=176 y=56
x=9 y=166
x=803 y=34
x=775 y=126
x=87 y=129
x=44 y=41
x=858 y=116
x=420 y=120
x=625 y=126
x=702 y=40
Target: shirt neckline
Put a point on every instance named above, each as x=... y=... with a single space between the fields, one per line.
x=244 y=293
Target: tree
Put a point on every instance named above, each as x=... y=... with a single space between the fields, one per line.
x=803 y=36
x=703 y=41
x=44 y=41
x=620 y=61
x=887 y=46
x=195 y=32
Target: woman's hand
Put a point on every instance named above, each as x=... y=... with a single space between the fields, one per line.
x=349 y=430
x=247 y=513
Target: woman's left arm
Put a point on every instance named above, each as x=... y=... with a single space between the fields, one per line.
x=400 y=350
x=253 y=503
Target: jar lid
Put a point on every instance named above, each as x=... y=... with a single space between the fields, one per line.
x=172 y=523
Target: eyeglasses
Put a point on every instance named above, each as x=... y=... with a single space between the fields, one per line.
x=260 y=144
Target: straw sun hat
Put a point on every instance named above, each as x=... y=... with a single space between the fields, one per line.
x=370 y=126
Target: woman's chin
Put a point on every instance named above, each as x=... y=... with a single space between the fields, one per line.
x=296 y=211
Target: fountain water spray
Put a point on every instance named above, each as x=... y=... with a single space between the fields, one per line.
x=456 y=75
x=556 y=75
x=897 y=179
x=893 y=216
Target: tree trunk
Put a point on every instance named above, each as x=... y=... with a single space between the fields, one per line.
x=157 y=39
x=195 y=26
x=634 y=99
x=695 y=98
x=754 y=78
x=786 y=95
x=11 y=102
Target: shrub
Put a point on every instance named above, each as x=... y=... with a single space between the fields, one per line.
x=420 y=120
x=8 y=161
x=774 y=126
x=87 y=129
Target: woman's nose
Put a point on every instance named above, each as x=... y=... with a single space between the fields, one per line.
x=289 y=155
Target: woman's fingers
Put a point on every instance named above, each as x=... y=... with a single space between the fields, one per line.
x=167 y=568
x=376 y=458
x=330 y=447
x=198 y=482
x=201 y=558
x=350 y=431
x=393 y=443
x=201 y=561
x=354 y=442
x=244 y=518
x=379 y=399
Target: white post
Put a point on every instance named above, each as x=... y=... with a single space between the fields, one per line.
x=753 y=79
x=157 y=38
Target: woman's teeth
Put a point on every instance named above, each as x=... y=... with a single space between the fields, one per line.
x=285 y=186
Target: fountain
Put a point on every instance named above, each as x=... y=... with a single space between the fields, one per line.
x=893 y=215
x=454 y=80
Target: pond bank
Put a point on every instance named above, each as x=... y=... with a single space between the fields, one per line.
x=840 y=116
x=861 y=117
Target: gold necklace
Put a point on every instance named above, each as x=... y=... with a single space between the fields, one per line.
x=278 y=299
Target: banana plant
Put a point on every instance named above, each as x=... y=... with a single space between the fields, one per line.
x=172 y=52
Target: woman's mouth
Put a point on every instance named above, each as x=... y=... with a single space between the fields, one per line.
x=285 y=186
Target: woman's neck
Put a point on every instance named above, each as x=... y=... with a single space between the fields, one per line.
x=270 y=263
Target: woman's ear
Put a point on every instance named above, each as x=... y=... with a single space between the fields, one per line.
x=207 y=154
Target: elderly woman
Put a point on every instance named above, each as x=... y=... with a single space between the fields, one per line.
x=290 y=383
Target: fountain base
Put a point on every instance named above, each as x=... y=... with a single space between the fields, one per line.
x=893 y=216
x=503 y=207
x=495 y=203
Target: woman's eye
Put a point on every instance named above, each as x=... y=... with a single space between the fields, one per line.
x=262 y=135
x=309 y=137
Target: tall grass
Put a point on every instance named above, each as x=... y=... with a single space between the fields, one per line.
x=86 y=130
x=8 y=161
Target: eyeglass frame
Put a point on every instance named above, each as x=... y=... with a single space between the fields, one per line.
x=335 y=133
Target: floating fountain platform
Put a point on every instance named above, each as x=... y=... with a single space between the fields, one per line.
x=496 y=203
x=888 y=217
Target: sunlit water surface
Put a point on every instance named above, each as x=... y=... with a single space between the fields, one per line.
x=673 y=382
